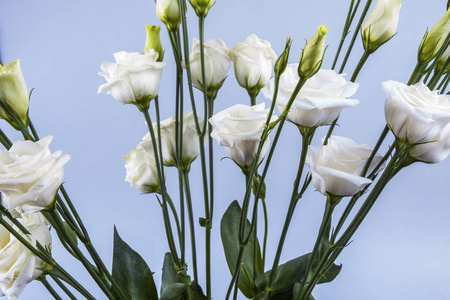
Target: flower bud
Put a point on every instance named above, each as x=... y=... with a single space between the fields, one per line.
x=169 y=13
x=14 y=93
x=282 y=61
x=381 y=24
x=433 y=40
x=201 y=7
x=153 y=41
x=312 y=55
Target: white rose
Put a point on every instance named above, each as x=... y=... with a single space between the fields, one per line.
x=13 y=90
x=381 y=24
x=435 y=151
x=414 y=112
x=336 y=167
x=253 y=60
x=319 y=102
x=134 y=78
x=191 y=147
x=18 y=265
x=217 y=63
x=30 y=175
x=142 y=171
x=239 y=130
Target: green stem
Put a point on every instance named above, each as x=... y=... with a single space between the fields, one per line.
x=266 y=229
x=445 y=83
x=191 y=223
x=49 y=288
x=210 y=109
x=5 y=140
x=252 y=99
x=67 y=238
x=63 y=287
x=329 y=207
x=33 y=130
x=307 y=136
x=375 y=150
x=348 y=22
x=416 y=74
x=160 y=172
x=355 y=34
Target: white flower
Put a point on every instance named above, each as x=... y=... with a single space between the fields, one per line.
x=336 y=167
x=190 y=149
x=217 y=63
x=239 y=130
x=142 y=171
x=18 y=265
x=319 y=102
x=134 y=78
x=30 y=175
x=414 y=113
x=435 y=151
x=13 y=91
x=253 y=60
x=381 y=24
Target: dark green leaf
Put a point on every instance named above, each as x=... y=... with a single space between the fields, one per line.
x=131 y=272
x=229 y=230
x=176 y=283
x=330 y=274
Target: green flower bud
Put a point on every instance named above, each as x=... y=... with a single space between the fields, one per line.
x=433 y=40
x=381 y=24
x=168 y=11
x=282 y=61
x=153 y=41
x=312 y=55
x=201 y=7
x=13 y=93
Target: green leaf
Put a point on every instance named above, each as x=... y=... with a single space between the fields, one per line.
x=330 y=274
x=175 y=283
x=131 y=272
x=229 y=230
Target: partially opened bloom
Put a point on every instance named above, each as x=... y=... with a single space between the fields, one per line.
x=30 y=175
x=168 y=11
x=13 y=91
x=319 y=102
x=433 y=40
x=142 y=171
x=217 y=64
x=381 y=24
x=414 y=113
x=190 y=148
x=336 y=167
x=253 y=60
x=134 y=78
x=239 y=129
x=18 y=265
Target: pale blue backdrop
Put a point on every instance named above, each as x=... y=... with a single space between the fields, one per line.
x=400 y=251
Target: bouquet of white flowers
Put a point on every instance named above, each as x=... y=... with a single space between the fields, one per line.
x=177 y=164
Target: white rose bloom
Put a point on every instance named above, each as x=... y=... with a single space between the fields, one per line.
x=414 y=112
x=435 y=151
x=381 y=23
x=239 y=130
x=18 y=265
x=191 y=147
x=30 y=175
x=253 y=60
x=217 y=63
x=134 y=78
x=142 y=171
x=336 y=167
x=319 y=102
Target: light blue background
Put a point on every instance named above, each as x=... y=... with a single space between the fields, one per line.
x=401 y=249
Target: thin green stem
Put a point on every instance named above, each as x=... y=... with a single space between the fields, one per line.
x=266 y=230
x=5 y=140
x=416 y=74
x=191 y=223
x=375 y=150
x=307 y=136
x=445 y=81
x=329 y=207
x=63 y=287
x=355 y=34
x=49 y=288
x=33 y=130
